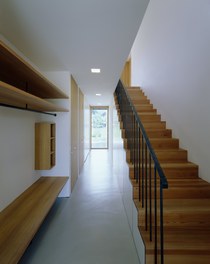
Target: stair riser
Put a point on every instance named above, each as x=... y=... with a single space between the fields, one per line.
x=148 y=107
x=177 y=219
x=155 y=125
x=141 y=109
x=176 y=173
x=165 y=144
x=180 y=173
x=135 y=92
x=170 y=158
x=147 y=118
x=180 y=258
x=165 y=133
x=161 y=125
x=178 y=193
x=160 y=144
x=140 y=101
x=159 y=134
x=137 y=96
x=146 y=110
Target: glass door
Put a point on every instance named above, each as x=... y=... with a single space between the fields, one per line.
x=99 y=127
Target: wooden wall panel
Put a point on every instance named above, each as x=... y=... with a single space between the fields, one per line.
x=126 y=74
x=81 y=130
x=74 y=132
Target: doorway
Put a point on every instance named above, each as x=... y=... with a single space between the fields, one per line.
x=99 y=127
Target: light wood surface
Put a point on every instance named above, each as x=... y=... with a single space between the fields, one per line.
x=126 y=73
x=14 y=96
x=186 y=201
x=19 y=73
x=21 y=219
x=44 y=146
x=74 y=132
x=81 y=130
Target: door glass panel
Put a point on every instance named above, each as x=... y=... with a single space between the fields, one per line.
x=99 y=128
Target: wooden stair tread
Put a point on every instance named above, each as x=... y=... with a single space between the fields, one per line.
x=133 y=88
x=173 y=165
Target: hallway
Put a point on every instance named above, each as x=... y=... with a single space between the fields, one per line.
x=89 y=228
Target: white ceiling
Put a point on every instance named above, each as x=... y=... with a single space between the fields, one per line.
x=74 y=36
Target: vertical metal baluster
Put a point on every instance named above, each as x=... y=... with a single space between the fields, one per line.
x=137 y=152
x=146 y=196
x=132 y=141
x=150 y=197
x=155 y=201
x=142 y=165
x=161 y=225
x=134 y=135
x=139 y=163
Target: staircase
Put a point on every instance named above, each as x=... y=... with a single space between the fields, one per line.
x=186 y=202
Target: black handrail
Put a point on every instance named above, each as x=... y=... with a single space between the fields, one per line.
x=141 y=156
x=164 y=181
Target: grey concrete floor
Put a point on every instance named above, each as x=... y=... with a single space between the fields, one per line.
x=91 y=226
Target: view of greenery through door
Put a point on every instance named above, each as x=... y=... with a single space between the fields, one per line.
x=99 y=127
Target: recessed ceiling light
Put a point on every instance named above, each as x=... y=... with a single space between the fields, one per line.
x=95 y=70
x=98 y=94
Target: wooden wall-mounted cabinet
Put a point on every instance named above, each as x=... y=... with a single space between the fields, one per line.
x=45 y=151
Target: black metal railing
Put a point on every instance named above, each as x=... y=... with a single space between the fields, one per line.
x=146 y=173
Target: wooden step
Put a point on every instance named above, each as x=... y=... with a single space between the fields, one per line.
x=140 y=100
x=140 y=109
x=133 y=88
x=164 y=143
x=167 y=155
x=186 y=170
x=171 y=155
x=137 y=95
x=144 y=116
x=149 y=117
x=157 y=125
x=144 y=107
x=160 y=143
x=155 y=133
x=177 y=191
x=159 y=133
x=149 y=125
x=184 y=244
x=194 y=213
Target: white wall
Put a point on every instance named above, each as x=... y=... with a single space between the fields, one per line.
x=63 y=128
x=171 y=62
x=16 y=153
x=121 y=171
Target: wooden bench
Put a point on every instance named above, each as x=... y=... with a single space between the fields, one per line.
x=22 y=218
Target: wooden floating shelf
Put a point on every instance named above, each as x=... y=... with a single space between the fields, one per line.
x=15 y=97
x=19 y=73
